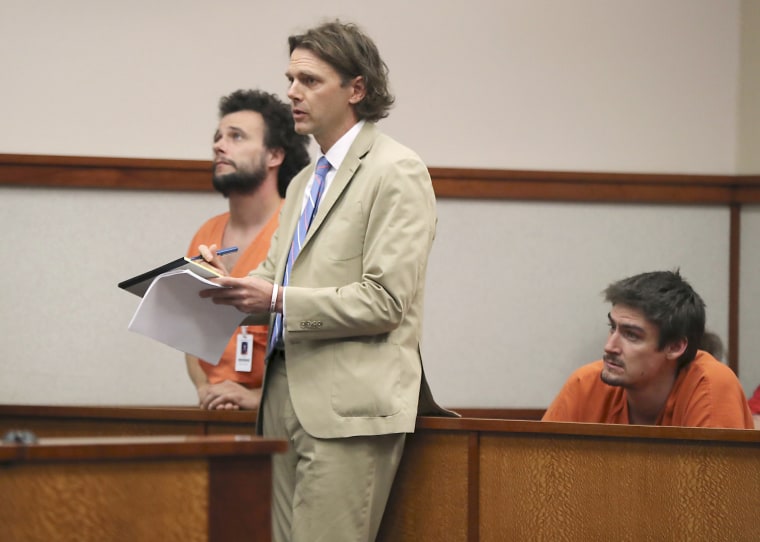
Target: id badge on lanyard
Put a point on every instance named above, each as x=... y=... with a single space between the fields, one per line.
x=244 y=352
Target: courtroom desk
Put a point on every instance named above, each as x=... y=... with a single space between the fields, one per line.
x=137 y=489
x=488 y=480
x=86 y=421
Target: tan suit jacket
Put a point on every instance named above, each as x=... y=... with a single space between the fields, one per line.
x=353 y=308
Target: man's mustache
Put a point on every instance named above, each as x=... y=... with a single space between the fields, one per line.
x=613 y=360
x=224 y=161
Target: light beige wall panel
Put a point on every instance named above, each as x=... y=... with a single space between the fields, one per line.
x=749 y=303
x=514 y=300
x=64 y=320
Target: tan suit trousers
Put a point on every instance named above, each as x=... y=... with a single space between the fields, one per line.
x=328 y=490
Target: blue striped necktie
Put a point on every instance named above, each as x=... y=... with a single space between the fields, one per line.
x=309 y=210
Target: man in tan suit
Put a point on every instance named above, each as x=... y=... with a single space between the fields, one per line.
x=344 y=380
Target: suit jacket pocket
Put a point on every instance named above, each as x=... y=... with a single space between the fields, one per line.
x=344 y=234
x=366 y=379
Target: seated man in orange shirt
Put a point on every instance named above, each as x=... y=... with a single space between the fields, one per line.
x=652 y=372
x=256 y=154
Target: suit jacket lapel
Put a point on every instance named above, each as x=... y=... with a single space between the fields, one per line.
x=344 y=175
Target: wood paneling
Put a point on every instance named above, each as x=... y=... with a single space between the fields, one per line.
x=93 y=502
x=565 y=482
x=240 y=499
x=628 y=490
x=625 y=490
x=435 y=465
x=173 y=489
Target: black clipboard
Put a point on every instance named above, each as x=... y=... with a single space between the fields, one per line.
x=139 y=284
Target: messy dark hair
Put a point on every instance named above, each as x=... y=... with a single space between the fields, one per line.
x=667 y=301
x=279 y=133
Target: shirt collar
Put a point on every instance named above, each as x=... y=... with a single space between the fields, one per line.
x=337 y=153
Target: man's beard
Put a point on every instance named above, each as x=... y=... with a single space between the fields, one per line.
x=240 y=181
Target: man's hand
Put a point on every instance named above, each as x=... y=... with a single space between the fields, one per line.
x=211 y=258
x=230 y=395
x=247 y=294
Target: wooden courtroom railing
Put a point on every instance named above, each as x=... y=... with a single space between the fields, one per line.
x=484 y=480
x=500 y=413
x=127 y=489
x=89 y=421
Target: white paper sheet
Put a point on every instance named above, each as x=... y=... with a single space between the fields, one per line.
x=172 y=312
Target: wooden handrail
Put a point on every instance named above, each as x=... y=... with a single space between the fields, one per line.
x=147 y=413
x=601 y=430
x=133 y=447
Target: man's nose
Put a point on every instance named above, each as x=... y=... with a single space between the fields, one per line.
x=293 y=92
x=612 y=344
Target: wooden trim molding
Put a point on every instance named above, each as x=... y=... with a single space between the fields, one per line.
x=588 y=430
x=734 y=250
x=582 y=186
x=96 y=172
x=130 y=413
x=498 y=413
x=194 y=175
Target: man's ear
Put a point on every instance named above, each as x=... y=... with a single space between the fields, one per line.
x=358 y=90
x=675 y=349
x=276 y=157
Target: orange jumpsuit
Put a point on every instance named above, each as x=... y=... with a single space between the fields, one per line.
x=706 y=393
x=211 y=233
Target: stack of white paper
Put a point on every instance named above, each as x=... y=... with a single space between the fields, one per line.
x=172 y=312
